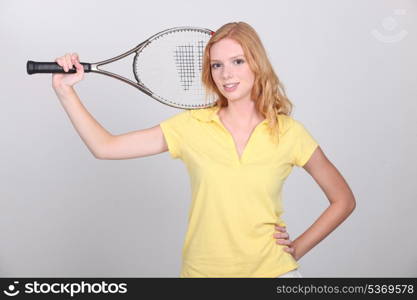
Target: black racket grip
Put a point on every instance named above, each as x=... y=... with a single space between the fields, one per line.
x=33 y=67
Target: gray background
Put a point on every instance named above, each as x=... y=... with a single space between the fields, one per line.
x=348 y=66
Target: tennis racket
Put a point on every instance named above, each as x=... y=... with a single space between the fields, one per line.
x=167 y=67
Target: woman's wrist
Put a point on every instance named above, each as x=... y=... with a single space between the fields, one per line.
x=64 y=91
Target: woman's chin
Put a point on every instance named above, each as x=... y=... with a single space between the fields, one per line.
x=232 y=98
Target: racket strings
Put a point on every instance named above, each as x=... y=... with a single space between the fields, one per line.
x=201 y=46
x=170 y=66
x=185 y=61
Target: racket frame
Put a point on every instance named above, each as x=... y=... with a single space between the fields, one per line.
x=95 y=67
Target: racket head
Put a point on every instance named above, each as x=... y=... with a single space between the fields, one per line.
x=169 y=65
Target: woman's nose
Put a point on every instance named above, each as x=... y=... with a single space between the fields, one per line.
x=226 y=73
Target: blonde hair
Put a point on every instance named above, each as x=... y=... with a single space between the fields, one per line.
x=267 y=92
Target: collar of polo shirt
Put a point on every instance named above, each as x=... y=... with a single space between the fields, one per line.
x=209 y=114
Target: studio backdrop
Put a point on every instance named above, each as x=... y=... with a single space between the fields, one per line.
x=348 y=67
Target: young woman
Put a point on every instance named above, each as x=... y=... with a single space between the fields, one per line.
x=238 y=154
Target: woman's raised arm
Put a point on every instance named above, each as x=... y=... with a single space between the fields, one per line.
x=101 y=143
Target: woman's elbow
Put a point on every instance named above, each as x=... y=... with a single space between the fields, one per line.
x=347 y=204
x=350 y=204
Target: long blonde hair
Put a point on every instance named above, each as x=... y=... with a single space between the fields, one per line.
x=267 y=92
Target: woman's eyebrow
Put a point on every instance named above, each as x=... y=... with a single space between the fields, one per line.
x=229 y=58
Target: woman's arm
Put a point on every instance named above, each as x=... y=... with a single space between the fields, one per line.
x=340 y=196
x=101 y=143
x=90 y=131
x=139 y=143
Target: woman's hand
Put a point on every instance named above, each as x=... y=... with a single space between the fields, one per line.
x=62 y=81
x=283 y=238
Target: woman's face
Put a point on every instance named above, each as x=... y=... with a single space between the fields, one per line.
x=230 y=70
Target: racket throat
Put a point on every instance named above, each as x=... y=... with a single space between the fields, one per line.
x=95 y=69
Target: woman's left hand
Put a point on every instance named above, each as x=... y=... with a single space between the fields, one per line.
x=283 y=238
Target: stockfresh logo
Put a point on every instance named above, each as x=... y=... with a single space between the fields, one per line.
x=11 y=289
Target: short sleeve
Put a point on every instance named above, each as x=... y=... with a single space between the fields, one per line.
x=173 y=130
x=304 y=144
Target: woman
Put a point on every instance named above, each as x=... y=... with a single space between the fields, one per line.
x=238 y=154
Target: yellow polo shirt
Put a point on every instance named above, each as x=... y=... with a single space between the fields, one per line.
x=235 y=202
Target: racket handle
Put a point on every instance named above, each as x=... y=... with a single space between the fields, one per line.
x=33 y=67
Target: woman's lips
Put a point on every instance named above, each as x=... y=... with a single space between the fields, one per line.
x=230 y=87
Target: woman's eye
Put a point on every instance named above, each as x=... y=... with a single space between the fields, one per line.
x=215 y=66
x=239 y=61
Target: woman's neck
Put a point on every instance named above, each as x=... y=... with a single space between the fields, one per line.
x=242 y=114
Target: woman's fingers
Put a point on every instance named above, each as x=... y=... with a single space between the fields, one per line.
x=283 y=232
x=283 y=235
x=280 y=228
x=289 y=249
x=64 y=63
x=284 y=242
x=68 y=61
x=283 y=238
x=60 y=61
x=80 y=69
x=77 y=64
x=289 y=243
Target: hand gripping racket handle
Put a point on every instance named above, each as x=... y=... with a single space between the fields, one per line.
x=33 y=67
